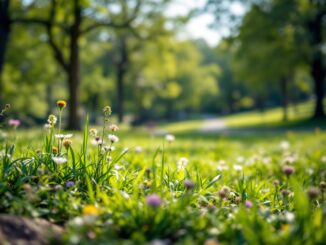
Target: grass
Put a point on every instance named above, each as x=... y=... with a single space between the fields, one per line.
x=198 y=189
x=298 y=116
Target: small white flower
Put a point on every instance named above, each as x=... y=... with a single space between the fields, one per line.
x=237 y=167
x=289 y=216
x=109 y=148
x=47 y=126
x=59 y=160
x=52 y=119
x=138 y=149
x=63 y=136
x=113 y=138
x=285 y=145
x=169 y=138
x=323 y=159
x=182 y=163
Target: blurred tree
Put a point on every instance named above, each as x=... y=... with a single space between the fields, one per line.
x=5 y=26
x=292 y=28
x=66 y=24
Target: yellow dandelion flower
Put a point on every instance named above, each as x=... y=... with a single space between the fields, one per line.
x=90 y=210
x=61 y=104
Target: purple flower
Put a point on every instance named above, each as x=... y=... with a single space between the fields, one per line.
x=153 y=200
x=70 y=184
x=14 y=123
x=248 y=204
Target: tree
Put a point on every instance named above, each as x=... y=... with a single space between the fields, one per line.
x=66 y=24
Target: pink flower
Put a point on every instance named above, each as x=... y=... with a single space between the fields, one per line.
x=153 y=201
x=14 y=123
x=248 y=204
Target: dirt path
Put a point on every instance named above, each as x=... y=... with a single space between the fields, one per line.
x=213 y=125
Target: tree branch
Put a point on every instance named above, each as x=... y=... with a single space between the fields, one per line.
x=124 y=24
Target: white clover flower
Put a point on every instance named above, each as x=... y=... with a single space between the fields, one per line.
x=93 y=132
x=138 y=149
x=59 y=160
x=182 y=163
x=63 y=136
x=109 y=148
x=221 y=165
x=47 y=126
x=323 y=159
x=285 y=145
x=113 y=138
x=240 y=159
x=52 y=119
x=289 y=216
x=169 y=138
x=237 y=167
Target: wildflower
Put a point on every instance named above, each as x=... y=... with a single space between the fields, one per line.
x=276 y=183
x=113 y=138
x=289 y=216
x=14 y=123
x=138 y=149
x=224 y=192
x=211 y=241
x=47 y=126
x=107 y=110
x=67 y=143
x=285 y=192
x=169 y=138
x=109 y=148
x=237 y=167
x=114 y=128
x=90 y=210
x=182 y=163
x=322 y=186
x=70 y=184
x=55 y=150
x=52 y=119
x=61 y=104
x=57 y=188
x=248 y=204
x=285 y=145
x=189 y=184
x=59 y=160
x=288 y=170
x=313 y=192
x=153 y=201
x=93 y=132
x=63 y=136
x=237 y=199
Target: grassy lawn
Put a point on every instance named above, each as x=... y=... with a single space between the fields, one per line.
x=198 y=189
x=299 y=117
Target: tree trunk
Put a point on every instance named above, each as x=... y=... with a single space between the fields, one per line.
x=122 y=65
x=318 y=75
x=74 y=71
x=285 y=98
x=317 y=69
x=4 y=37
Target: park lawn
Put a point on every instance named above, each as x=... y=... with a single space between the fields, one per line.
x=198 y=188
x=298 y=116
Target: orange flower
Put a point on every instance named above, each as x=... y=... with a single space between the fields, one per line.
x=61 y=103
x=67 y=143
x=55 y=150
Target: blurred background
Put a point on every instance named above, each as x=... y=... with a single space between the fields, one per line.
x=241 y=62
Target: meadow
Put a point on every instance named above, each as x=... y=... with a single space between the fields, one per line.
x=171 y=185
